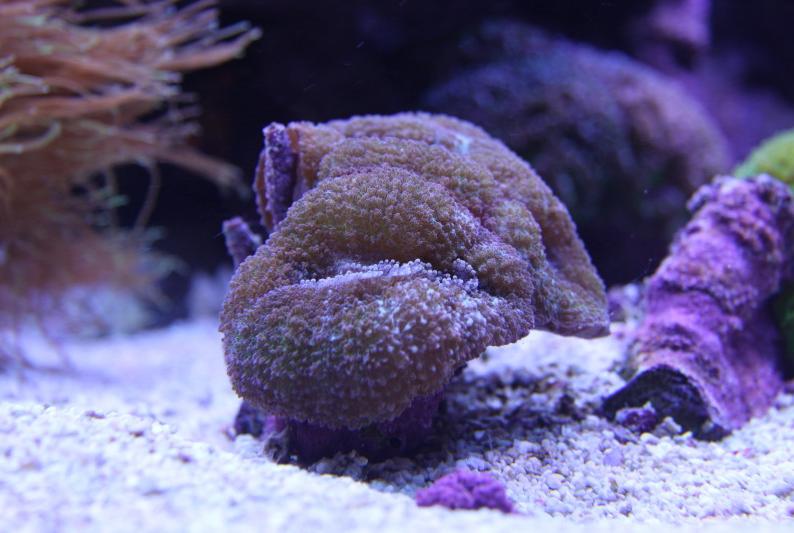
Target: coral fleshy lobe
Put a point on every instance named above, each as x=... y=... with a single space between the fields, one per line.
x=414 y=241
x=707 y=352
x=464 y=489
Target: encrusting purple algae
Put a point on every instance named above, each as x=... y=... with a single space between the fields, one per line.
x=707 y=352
x=402 y=246
x=463 y=489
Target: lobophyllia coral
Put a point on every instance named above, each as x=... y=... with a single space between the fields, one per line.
x=463 y=489
x=401 y=247
x=83 y=90
x=620 y=144
x=706 y=351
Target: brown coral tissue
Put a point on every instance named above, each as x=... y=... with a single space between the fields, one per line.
x=401 y=247
x=83 y=90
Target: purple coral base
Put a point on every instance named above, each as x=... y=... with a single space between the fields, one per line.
x=399 y=436
x=311 y=442
x=463 y=489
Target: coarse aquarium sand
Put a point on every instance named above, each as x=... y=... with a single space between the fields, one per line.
x=146 y=444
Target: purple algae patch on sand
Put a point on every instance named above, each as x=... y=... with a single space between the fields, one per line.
x=464 y=489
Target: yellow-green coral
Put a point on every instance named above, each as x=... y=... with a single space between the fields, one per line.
x=414 y=242
x=775 y=157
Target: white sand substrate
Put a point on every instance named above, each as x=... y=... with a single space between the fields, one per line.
x=136 y=437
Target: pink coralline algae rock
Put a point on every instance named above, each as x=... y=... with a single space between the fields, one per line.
x=400 y=248
x=707 y=352
x=463 y=489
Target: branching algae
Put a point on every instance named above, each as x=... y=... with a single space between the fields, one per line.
x=83 y=90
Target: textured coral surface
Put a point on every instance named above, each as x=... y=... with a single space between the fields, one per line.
x=414 y=242
x=706 y=351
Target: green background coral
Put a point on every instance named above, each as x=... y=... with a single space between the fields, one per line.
x=775 y=157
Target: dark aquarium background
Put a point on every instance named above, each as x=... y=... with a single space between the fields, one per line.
x=318 y=61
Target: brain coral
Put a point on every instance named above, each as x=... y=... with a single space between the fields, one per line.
x=401 y=247
x=623 y=146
